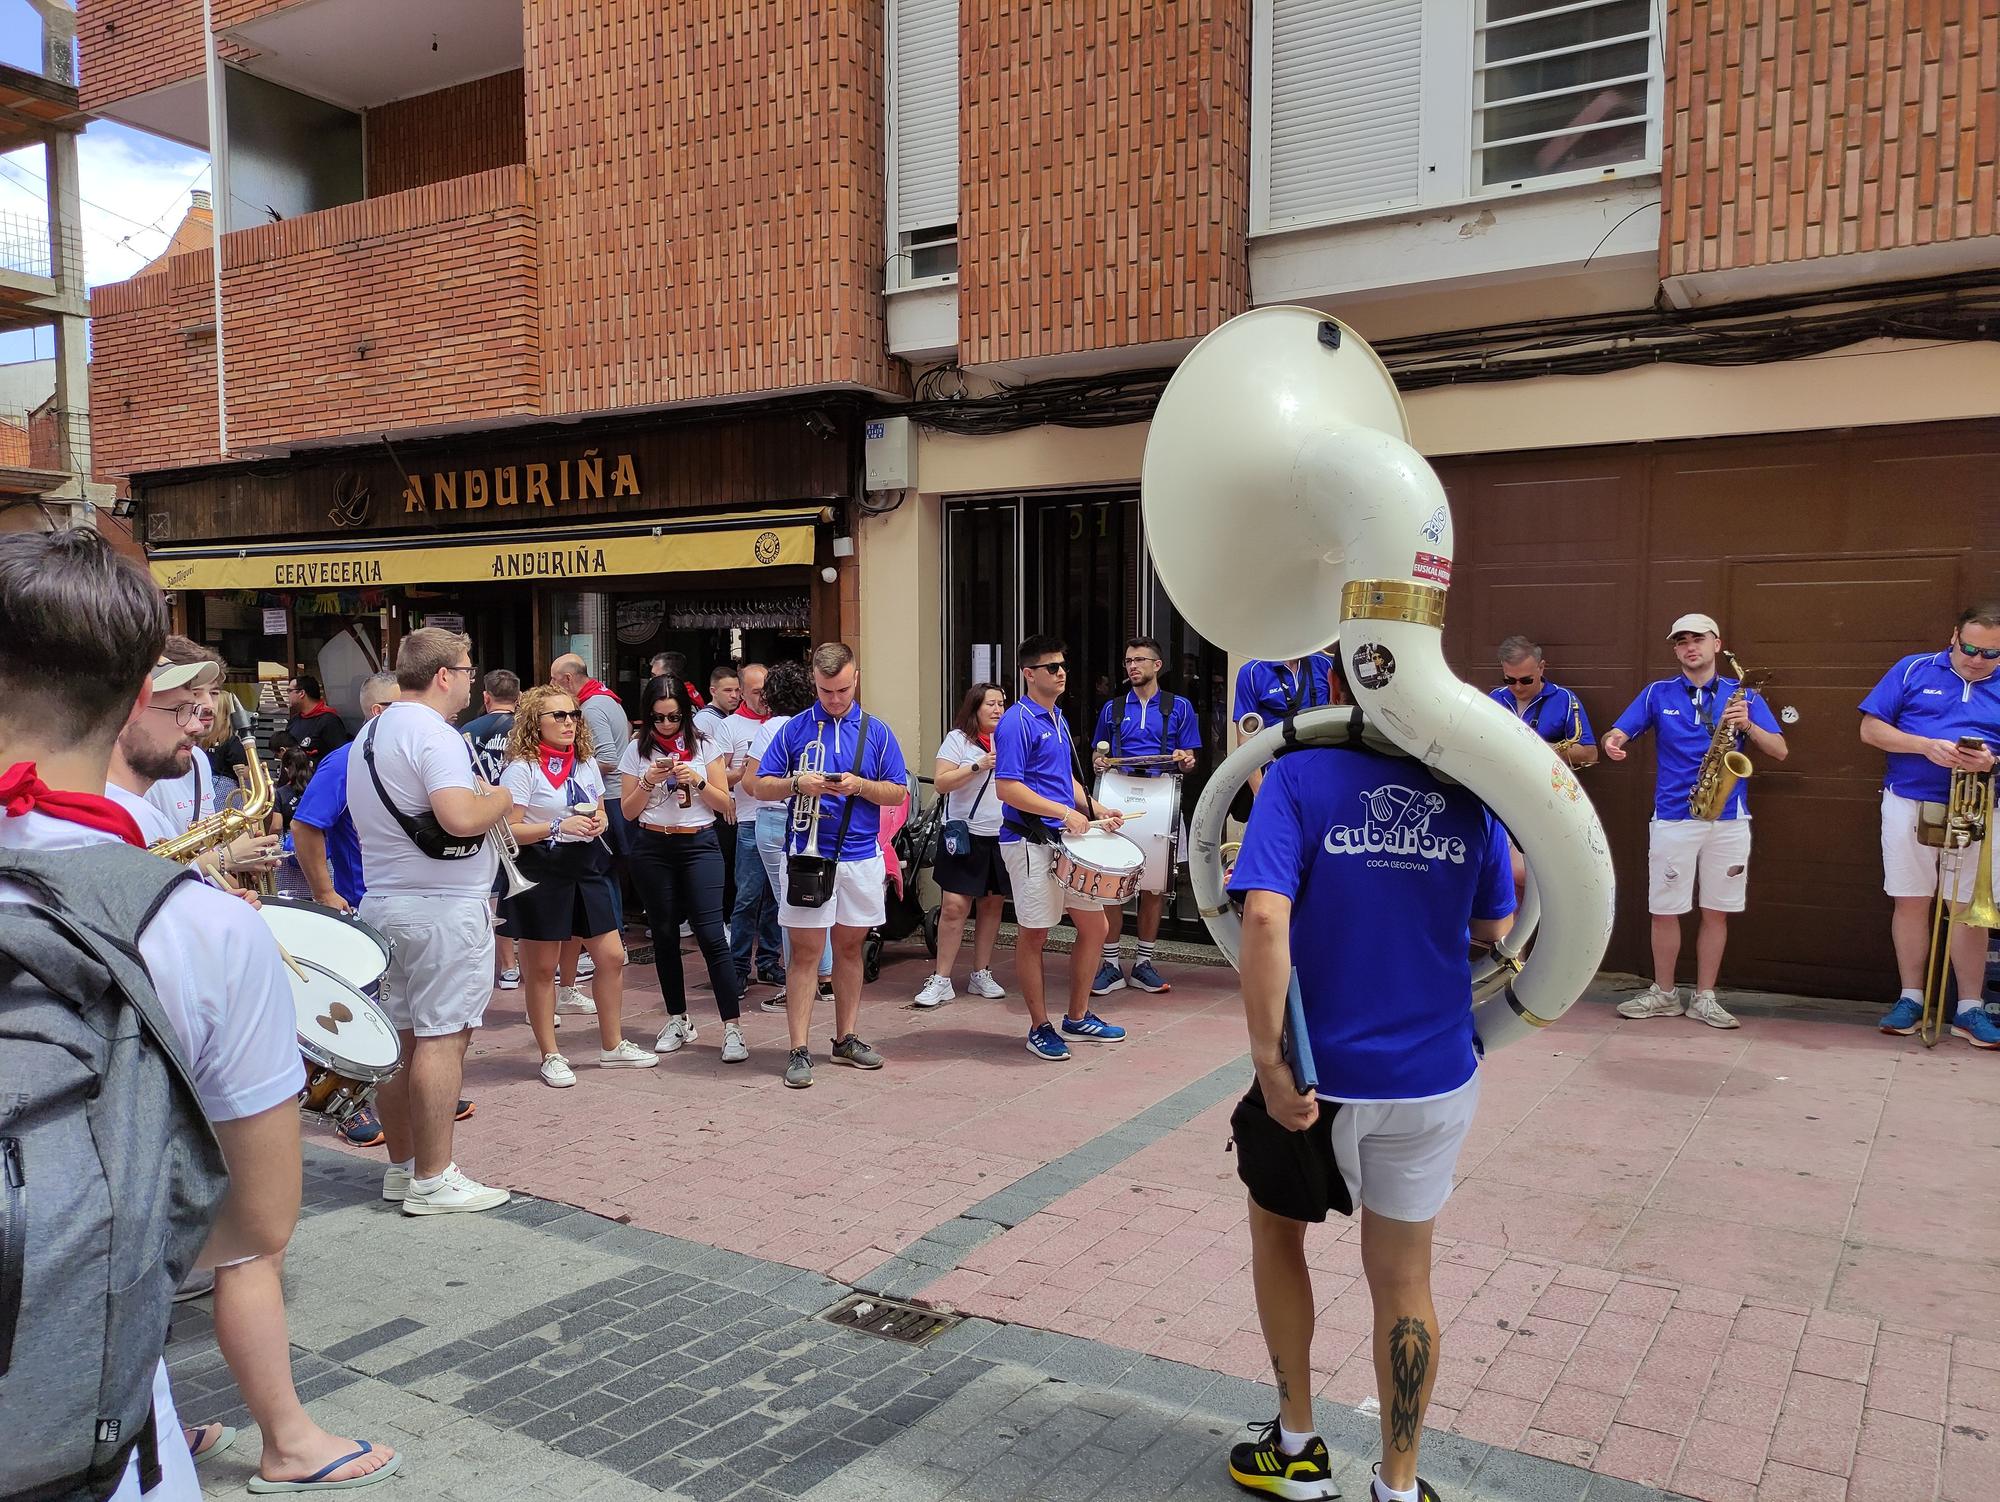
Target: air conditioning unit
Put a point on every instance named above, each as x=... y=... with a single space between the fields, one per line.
x=890 y=448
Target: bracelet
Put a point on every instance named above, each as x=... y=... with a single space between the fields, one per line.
x=795 y=784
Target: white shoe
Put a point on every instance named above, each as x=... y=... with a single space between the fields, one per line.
x=937 y=990
x=510 y=979
x=395 y=1184
x=569 y=999
x=586 y=967
x=627 y=1055
x=556 y=1072
x=734 y=1050
x=1705 y=1008
x=454 y=1193
x=983 y=984
x=1653 y=1003
x=677 y=1034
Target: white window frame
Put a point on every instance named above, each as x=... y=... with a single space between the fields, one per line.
x=1446 y=174
x=896 y=277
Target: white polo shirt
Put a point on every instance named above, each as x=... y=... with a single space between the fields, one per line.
x=416 y=753
x=541 y=801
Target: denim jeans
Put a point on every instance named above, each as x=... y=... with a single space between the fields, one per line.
x=755 y=915
x=618 y=833
x=771 y=823
x=679 y=877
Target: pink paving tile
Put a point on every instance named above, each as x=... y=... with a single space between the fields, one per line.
x=1576 y=1452
x=1578 y=1413
x=1621 y=1332
x=1857 y=1328
x=1917 y=1395
x=1639 y=1455
x=1521 y=1375
x=1971 y=1458
x=1876 y=1480
x=1555 y=1339
x=1766 y=1326
x=1834 y=1358
x=1544 y=1222
x=1761 y=1366
x=1708 y=1301
x=1495 y=1418
x=1710 y=1486
x=1907 y=1351
x=1668 y=1408
x=1767 y=1260
x=1891 y=1436
x=1818 y=1423
x=1574 y=1306
x=1605 y=1371
x=1352 y=1383
x=1644 y=1300
x=1727 y=1449
x=1973 y=1352
x=1596 y=1279
x=1923 y=1292
x=1745 y=1403
x=1790 y=1483
x=1976 y=1388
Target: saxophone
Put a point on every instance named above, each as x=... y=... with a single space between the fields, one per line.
x=1722 y=766
x=235 y=818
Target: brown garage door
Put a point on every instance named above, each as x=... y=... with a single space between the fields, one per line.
x=1825 y=556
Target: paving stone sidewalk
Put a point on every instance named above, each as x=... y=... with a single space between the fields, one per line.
x=548 y=1353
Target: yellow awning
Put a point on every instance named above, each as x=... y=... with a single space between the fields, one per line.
x=753 y=542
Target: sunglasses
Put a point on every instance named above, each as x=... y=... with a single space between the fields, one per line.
x=1048 y=667
x=1986 y=654
x=562 y=714
x=1519 y=682
x=665 y=719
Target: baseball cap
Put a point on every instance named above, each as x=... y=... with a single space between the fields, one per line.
x=1704 y=624
x=168 y=675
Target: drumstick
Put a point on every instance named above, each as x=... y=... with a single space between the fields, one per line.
x=285 y=955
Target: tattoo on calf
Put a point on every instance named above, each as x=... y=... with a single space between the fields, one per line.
x=1409 y=1369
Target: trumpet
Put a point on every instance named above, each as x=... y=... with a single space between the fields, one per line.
x=805 y=811
x=500 y=838
x=1967 y=821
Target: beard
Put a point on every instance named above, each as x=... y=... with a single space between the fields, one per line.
x=161 y=764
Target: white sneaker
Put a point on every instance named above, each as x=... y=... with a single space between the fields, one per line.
x=627 y=1055
x=1653 y=1003
x=734 y=1050
x=510 y=979
x=556 y=1071
x=395 y=1184
x=678 y=1033
x=586 y=967
x=569 y=999
x=1705 y=1008
x=982 y=983
x=454 y=1193
x=937 y=990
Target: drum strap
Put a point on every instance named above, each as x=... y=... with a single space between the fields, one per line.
x=1166 y=701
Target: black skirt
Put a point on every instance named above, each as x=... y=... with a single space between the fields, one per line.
x=571 y=896
x=978 y=873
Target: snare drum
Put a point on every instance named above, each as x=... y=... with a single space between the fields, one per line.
x=350 y=1046
x=338 y=941
x=1099 y=866
x=1152 y=810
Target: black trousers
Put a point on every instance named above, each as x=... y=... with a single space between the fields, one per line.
x=679 y=879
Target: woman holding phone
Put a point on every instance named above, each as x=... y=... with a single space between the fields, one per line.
x=559 y=822
x=676 y=782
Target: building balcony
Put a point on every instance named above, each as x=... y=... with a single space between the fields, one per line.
x=416 y=312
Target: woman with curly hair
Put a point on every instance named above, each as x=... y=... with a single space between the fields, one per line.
x=559 y=823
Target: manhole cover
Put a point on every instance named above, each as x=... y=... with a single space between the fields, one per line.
x=891 y=1319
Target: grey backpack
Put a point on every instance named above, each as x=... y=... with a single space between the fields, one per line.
x=109 y=1173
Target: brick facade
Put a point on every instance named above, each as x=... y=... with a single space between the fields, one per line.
x=1795 y=132
x=422 y=307
x=127 y=49
x=1105 y=153
x=713 y=197
x=472 y=127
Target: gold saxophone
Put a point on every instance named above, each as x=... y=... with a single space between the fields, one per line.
x=235 y=818
x=1722 y=766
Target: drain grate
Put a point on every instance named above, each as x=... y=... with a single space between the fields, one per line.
x=906 y=1324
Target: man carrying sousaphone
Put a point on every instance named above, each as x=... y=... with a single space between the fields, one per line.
x=1034 y=774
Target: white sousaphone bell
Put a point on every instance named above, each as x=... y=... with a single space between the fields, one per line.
x=1284 y=505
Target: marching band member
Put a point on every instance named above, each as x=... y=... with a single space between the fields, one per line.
x=1683 y=711
x=972 y=882
x=1148 y=721
x=1272 y=690
x=1034 y=762
x=1916 y=715
x=559 y=822
x=1552 y=712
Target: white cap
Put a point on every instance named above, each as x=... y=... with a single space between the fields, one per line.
x=1700 y=624
x=168 y=675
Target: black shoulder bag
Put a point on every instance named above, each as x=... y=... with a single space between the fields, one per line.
x=809 y=879
x=424 y=830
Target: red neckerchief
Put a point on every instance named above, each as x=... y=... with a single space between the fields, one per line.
x=21 y=790
x=593 y=690
x=985 y=741
x=676 y=747
x=748 y=713
x=557 y=765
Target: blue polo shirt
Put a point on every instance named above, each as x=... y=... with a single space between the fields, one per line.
x=880 y=761
x=1684 y=717
x=1921 y=695
x=1032 y=746
x=1386 y=866
x=1551 y=714
x=1143 y=731
x=323 y=805
x=1273 y=690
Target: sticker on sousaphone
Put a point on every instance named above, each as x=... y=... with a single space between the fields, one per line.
x=1431 y=568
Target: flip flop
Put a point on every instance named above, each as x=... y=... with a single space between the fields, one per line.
x=465 y=1109
x=313 y=1483
x=224 y=1438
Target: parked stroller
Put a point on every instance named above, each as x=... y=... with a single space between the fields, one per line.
x=908 y=846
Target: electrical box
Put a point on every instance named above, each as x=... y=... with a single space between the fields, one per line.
x=890 y=446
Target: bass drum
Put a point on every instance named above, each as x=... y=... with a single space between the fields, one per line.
x=339 y=941
x=349 y=1044
x=1152 y=810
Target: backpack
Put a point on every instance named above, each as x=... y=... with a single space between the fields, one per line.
x=110 y=1175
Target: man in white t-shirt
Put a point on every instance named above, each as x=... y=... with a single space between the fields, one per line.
x=68 y=598
x=411 y=788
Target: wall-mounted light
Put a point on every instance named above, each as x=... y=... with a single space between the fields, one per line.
x=829 y=573
x=843 y=547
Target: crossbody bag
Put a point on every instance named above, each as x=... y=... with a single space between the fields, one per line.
x=957 y=833
x=424 y=830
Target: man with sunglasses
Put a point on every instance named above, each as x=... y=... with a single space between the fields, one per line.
x=1552 y=712
x=1917 y=716
x=1684 y=711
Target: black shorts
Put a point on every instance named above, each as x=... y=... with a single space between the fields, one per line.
x=1292 y=1174
x=571 y=896
x=978 y=873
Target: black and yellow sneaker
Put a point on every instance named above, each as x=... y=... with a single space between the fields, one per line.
x=1258 y=1465
x=1425 y=1491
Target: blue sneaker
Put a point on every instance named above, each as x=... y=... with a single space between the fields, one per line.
x=1093 y=1028
x=1903 y=1017
x=1109 y=978
x=1977 y=1027
x=1146 y=978
x=1044 y=1044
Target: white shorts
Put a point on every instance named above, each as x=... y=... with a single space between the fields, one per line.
x=1398 y=1156
x=1039 y=899
x=440 y=973
x=859 y=897
x=1680 y=850
x=1910 y=868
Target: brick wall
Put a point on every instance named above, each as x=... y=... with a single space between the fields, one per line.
x=415 y=309
x=130 y=46
x=1105 y=152
x=469 y=128
x=713 y=196
x=1795 y=131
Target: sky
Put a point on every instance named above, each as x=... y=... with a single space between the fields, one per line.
x=135 y=186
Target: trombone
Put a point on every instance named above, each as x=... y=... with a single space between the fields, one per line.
x=1968 y=821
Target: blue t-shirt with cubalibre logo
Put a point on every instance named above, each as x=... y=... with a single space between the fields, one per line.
x=1921 y=695
x=1386 y=867
x=1682 y=714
